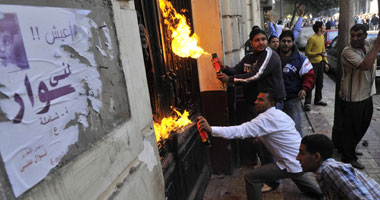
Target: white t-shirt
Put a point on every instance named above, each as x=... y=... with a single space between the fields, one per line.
x=277 y=131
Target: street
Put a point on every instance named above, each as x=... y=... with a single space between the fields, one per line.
x=319 y=120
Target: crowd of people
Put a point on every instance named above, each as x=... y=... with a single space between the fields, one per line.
x=276 y=78
x=371 y=20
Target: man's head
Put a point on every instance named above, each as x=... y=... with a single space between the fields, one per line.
x=319 y=27
x=314 y=150
x=286 y=41
x=258 y=40
x=273 y=42
x=358 y=34
x=265 y=100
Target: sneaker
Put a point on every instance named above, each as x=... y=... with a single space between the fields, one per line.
x=321 y=103
x=307 y=107
x=267 y=188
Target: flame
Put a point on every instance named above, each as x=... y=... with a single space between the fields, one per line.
x=183 y=44
x=171 y=124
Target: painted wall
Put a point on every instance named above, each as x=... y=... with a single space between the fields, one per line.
x=207 y=23
x=116 y=155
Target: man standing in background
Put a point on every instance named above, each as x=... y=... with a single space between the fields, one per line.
x=298 y=76
x=356 y=91
x=316 y=52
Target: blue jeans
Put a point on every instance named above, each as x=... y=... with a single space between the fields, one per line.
x=292 y=107
x=280 y=105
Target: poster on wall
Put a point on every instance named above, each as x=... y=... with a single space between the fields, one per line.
x=48 y=82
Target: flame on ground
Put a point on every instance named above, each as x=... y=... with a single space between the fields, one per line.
x=171 y=124
x=183 y=44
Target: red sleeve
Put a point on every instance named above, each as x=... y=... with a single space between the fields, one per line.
x=308 y=80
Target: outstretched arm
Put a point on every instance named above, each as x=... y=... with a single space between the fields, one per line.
x=298 y=25
x=272 y=29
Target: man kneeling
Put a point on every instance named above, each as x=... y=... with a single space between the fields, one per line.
x=277 y=131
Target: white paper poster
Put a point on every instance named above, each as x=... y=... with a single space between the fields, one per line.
x=48 y=78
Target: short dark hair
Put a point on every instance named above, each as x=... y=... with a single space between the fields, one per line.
x=255 y=27
x=358 y=27
x=318 y=143
x=287 y=33
x=255 y=32
x=317 y=25
x=271 y=38
x=272 y=97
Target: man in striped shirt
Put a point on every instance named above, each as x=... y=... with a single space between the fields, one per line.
x=336 y=179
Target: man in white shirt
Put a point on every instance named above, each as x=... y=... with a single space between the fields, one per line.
x=277 y=131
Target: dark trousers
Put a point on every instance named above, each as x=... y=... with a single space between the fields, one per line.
x=356 y=120
x=271 y=172
x=318 y=83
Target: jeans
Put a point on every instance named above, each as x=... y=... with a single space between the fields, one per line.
x=292 y=107
x=280 y=104
x=318 y=83
x=270 y=172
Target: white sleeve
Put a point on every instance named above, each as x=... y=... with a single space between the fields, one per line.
x=259 y=126
x=306 y=67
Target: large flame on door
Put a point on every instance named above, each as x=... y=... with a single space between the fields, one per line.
x=183 y=43
x=171 y=124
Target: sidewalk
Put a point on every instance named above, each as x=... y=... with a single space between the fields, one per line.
x=319 y=120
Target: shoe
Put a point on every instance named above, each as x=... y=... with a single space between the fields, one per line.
x=356 y=164
x=321 y=103
x=307 y=107
x=358 y=153
x=267 y=188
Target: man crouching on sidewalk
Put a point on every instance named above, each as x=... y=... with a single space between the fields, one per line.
x=276 y=130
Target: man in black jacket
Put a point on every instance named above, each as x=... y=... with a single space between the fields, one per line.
x=259 y=70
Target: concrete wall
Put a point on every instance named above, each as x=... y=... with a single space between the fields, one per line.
x=253 y=16
x=232 y=22
x=373 y=6
x=116 y=156
x=238 y=17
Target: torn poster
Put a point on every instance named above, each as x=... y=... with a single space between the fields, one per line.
x=45 y=87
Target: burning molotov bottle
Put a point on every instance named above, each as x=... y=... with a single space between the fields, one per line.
x=204 y=137
x=215 y=62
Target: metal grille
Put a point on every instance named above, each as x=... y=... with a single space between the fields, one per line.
x=173 y=81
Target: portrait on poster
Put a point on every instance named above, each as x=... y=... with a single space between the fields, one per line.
x=12 y=49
